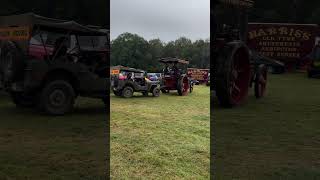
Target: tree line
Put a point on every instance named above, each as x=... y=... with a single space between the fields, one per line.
x=134 y=51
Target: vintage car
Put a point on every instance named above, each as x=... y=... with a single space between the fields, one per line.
x=48 y=63
x=125 y=81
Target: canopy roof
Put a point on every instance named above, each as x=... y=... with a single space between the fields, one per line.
x=260 y=59
x=31 y=19
x=123 y=68
x=173 y=60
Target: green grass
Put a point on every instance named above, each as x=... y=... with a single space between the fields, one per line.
x=37 y=146
x=161 y=138
x=277 y=137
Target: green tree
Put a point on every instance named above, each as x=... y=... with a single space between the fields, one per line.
x=130 y=50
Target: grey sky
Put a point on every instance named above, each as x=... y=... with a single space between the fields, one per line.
x=164 y=19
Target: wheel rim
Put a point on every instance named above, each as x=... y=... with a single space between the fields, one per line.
x=157 y=91
x=57 y=98
x=239 y=77
x=127 y=93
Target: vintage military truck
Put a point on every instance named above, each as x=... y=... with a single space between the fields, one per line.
x=48 y=63
x=125 y=81
x=234 y=70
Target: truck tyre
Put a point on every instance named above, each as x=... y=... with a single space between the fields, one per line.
x=11 y=61
x=127 y=92
x=57 y=97
x=156 y=92
x=21 y=100
x=232 y=74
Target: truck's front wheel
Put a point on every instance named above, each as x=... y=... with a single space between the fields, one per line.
x=57 y=97
x=156 y=92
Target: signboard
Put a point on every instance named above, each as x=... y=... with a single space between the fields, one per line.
x=15 y=33
x=199 y=74
x=289 y=43
x=114 y=71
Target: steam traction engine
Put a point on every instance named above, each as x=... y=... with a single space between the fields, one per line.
x=235 y=70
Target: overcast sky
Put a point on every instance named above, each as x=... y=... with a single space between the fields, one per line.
x=164 y=19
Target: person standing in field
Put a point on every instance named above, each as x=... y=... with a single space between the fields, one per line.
x=312 y=59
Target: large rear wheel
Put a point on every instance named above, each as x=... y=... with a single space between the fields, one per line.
x=233 y=74
x=183 y=86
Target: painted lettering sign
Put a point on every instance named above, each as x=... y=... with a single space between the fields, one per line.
x=198 y=74
x=289 y=43
x=15 y=33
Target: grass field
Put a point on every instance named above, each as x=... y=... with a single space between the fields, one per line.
x=277 y=137
x=35 y=146
x=161 y=138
